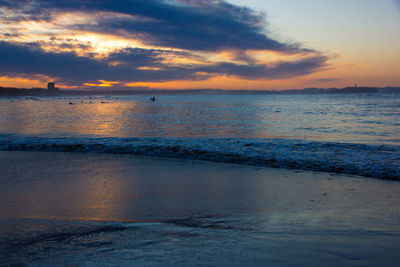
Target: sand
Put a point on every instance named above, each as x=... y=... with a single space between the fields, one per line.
x=185 y=212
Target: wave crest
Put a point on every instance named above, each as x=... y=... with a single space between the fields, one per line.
x=346 y=158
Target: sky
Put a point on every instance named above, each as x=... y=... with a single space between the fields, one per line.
x=187 y=44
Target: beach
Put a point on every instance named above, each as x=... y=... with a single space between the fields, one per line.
x=199 y=133
x=82 y=208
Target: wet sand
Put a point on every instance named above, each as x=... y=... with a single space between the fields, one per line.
x=184 y=212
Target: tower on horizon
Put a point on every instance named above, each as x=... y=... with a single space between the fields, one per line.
x=51 y=86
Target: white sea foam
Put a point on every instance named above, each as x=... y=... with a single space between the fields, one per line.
x=378 y=161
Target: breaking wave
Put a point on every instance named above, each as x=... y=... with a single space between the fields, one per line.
x=378 y=161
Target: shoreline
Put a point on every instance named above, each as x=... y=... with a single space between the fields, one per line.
x=41 y=168
x=81 y=208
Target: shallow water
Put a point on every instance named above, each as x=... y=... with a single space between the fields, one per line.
x=88 y=209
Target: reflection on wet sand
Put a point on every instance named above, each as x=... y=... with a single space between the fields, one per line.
x=69 y=208
x=73 y=186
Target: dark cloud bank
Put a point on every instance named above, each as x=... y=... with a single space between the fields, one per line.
x=209 y=25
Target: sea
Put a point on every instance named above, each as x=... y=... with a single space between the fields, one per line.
x=200 y=180
x=356 y=134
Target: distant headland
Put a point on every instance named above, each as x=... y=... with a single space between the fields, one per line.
x=52 y=90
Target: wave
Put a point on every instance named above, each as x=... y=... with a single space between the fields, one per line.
x=378 y=161
x=34 y=238
x=19 y=233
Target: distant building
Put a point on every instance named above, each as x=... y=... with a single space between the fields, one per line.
x=52 y=86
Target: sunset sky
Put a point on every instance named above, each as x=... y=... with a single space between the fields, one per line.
x=182 y=44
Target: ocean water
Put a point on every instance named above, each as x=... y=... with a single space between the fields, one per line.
x=107 y=207
x=356 y=134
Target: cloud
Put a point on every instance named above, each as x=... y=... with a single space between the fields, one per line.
x=168 y=28
x=75 y=70
x=192 y=25
x=325 y=80
x=277 y=71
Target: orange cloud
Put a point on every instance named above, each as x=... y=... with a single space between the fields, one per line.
x=102 y=83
